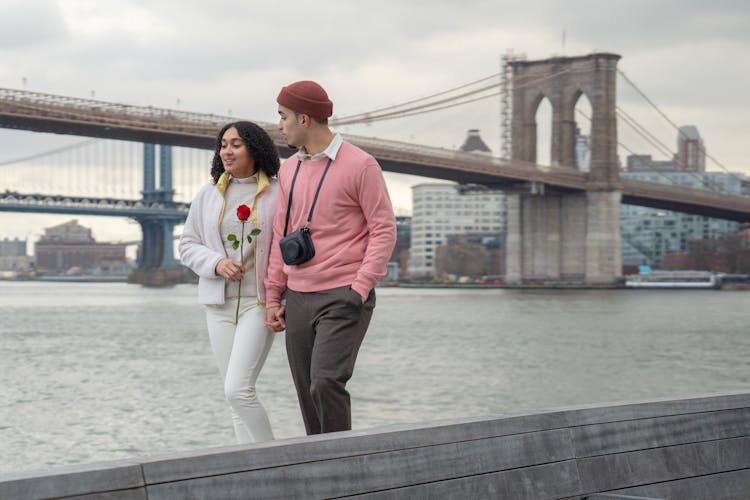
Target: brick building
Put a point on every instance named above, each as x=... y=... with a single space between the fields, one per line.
x=70 y=246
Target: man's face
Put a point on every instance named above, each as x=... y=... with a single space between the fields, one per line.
x=290 y=125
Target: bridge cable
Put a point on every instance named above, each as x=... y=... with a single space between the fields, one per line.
x=712 y=186
x=49 y=153
x=413 y=101
x=643 y=132
x=363 y=117
x=673 y=124
x=435 y=105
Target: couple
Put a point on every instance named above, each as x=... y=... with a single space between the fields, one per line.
x=328 y=300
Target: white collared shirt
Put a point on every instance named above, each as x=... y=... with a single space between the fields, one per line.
x=330 y=152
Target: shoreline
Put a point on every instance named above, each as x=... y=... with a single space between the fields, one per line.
x=730 y=286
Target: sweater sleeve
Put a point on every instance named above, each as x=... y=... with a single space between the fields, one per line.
x=194 y=252
x=276 y=279
x=381 y=224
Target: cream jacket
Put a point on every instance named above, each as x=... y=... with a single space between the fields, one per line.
x=201 y=247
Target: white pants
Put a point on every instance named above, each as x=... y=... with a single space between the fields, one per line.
x=240 y=352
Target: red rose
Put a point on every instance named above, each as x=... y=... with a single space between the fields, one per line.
x=243 y=212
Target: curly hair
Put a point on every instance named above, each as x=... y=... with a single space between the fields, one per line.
x=259 y=144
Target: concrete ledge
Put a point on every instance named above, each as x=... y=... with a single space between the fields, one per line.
x=665 y=448
x=91 y=479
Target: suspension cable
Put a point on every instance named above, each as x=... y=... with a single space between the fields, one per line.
x=63 y=149
x=645 y=134
x=408 y=110
x=673 y=124
x=436 y=105
x=413 y=101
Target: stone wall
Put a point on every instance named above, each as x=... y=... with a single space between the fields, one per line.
x=685 y=449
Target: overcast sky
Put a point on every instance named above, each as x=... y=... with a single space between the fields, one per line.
x=232 y=57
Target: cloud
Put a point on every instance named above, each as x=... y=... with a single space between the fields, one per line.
x=25 y=25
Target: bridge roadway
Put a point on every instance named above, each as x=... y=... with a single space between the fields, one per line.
x=49 y=113
x=11 y=201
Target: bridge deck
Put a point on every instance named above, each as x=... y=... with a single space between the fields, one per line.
x=66 y=115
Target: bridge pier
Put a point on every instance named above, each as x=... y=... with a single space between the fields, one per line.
x=156 y=262
x=603 y=242
x=563 y=238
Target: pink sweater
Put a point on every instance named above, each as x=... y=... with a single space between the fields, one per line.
x=353 y=226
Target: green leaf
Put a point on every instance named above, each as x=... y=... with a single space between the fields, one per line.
x=232 y=237
x=236 y=245
x=249 y=239
x=255 y=232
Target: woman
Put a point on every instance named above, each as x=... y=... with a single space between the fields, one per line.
x=231 y=285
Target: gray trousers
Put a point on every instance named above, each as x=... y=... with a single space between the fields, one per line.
x=323 y=333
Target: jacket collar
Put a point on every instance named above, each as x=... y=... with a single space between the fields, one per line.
x=223 y=183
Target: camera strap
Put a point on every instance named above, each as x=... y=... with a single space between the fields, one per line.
x=315 y=200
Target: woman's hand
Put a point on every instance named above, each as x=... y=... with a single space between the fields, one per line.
x=231 y=270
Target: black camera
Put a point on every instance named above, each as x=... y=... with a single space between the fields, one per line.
x=297 y=247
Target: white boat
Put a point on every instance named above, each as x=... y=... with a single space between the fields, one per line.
x=674 y=279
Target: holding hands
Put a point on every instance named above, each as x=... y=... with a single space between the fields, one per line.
x=275 y=318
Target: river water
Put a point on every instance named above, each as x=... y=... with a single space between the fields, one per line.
x=102 y=371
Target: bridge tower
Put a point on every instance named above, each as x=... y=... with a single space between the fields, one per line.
x=156 y=262
x=559 y=236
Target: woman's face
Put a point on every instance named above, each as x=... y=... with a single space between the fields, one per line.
x=235 y=155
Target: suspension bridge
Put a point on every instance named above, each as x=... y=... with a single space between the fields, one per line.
x=114 y=174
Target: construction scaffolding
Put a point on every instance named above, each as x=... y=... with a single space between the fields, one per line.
x=506 y=101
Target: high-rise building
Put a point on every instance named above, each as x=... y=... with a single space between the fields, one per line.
x=691 y=154
x=440 y=210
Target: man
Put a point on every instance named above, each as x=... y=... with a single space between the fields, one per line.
x=330 y=298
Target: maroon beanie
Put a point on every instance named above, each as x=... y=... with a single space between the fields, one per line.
x=306 y=97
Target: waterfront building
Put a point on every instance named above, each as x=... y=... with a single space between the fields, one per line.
x=13 y=258
x=70 y=247
x=12 y=248
x=442 y=210
x=398 y=266
x=648 y=234
x=645 y=163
